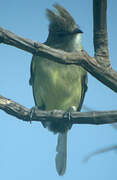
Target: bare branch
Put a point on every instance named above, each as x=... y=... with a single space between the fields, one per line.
x=100 y=32
x=94 y=118
x=10 y=38
x=111 y=148
x=106 y=75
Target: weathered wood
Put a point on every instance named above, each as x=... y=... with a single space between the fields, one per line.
x=100 y=37
x=106 y=75
x=22 y=113
x=99 y=67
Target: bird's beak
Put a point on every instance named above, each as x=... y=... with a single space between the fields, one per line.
x=77 y=30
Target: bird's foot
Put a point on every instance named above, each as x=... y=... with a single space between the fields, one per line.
x=68 y=115
x=69 y=111
x=31 y=112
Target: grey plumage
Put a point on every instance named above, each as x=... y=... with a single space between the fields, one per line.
x=61 y=20
x=61 y=156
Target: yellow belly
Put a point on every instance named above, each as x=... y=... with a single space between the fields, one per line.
x=57 y=86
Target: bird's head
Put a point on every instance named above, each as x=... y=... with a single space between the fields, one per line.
x=61 y=22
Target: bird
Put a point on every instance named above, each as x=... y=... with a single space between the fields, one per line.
x=59 y=86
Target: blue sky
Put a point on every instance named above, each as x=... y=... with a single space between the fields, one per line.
x=27 y=151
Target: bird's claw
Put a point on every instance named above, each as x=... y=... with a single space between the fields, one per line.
x=31 y=112
x=67 y=114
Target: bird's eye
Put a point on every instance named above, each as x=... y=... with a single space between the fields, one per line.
x=61 y=34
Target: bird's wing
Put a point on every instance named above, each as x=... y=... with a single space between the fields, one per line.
x=32 y=67
x=84 y=89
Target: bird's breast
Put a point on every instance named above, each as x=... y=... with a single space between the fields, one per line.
x=56 y=85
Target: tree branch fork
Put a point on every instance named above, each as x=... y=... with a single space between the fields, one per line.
x=98 y=66
x=105 y=74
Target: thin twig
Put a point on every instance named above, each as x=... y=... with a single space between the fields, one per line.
x=111 y=148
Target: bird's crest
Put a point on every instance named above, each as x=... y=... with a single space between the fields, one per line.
x=60 y=20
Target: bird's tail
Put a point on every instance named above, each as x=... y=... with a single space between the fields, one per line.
x=61 y=156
